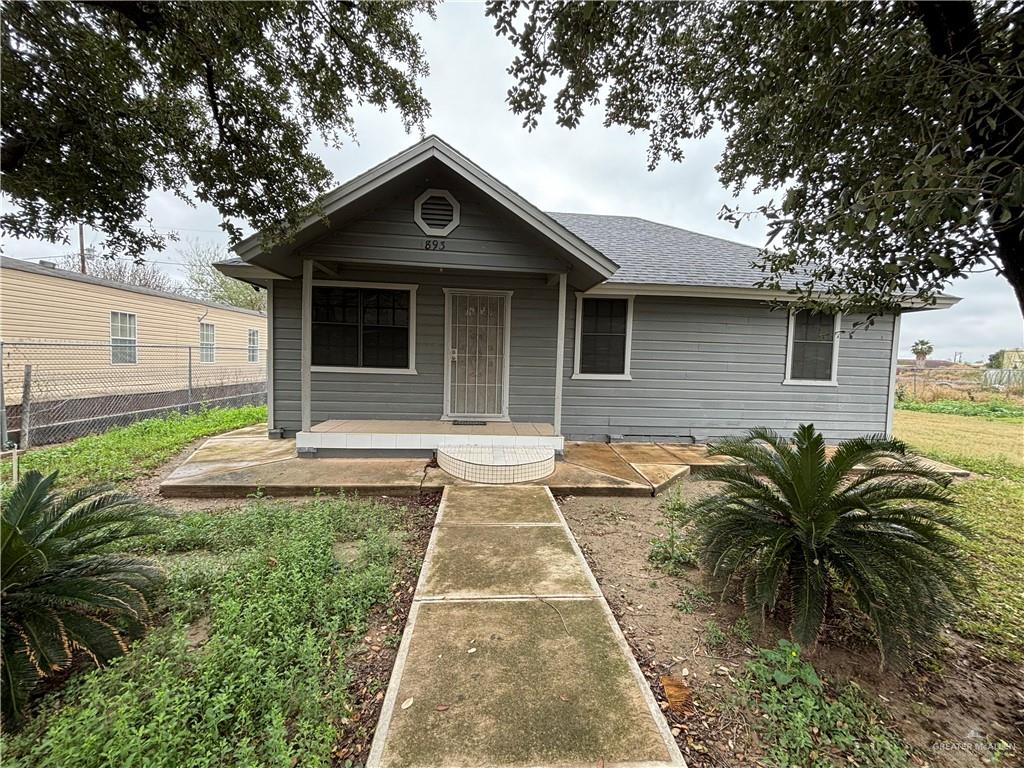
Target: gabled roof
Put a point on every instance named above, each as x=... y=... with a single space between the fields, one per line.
x=66 y=274
x=581 y=253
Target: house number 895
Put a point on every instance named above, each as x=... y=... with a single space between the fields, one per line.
x=433 y=245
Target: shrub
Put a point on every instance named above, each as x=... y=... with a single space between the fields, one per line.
x=790 y=522
x=64 y=590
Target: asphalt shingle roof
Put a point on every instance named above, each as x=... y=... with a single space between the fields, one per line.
x=648 y=252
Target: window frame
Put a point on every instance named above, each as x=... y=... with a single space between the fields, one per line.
x=252 y=351
x=203 y=346
x=134 y=340
x=625 y=375
x=836 y=334
x=409 y=287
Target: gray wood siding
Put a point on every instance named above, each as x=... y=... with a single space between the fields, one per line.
x=712 y=368
x=701 y=368
x=337 y=395
x=487 y=238
x=286 y=315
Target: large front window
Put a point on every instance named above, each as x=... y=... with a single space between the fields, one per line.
x=355 y=327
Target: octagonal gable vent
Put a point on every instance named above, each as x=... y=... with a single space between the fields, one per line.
x=437 y=212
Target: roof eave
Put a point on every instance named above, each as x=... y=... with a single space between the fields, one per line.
x=942 y=301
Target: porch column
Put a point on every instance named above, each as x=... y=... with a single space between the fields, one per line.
x=307 y=343
x=560 y=354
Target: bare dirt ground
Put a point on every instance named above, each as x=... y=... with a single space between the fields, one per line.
x=961 y=698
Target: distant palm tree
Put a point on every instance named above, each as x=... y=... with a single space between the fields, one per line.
x=789 y=522
x=921 y=349
x=64 y=590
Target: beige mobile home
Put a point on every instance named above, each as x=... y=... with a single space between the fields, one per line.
x=100 y=349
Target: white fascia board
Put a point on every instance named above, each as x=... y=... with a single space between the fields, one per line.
x=751 y=294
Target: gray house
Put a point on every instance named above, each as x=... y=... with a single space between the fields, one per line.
x=432 y=304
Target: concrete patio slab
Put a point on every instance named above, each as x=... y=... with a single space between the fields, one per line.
x=503 y=561
x=498 y=505
x=301 y=477
x=256 y=430
x=644 y=453
x=662 y=476
x=600 y=457
x=534 y=691
x=250 y=450
x=696 y=456
x=530 y=681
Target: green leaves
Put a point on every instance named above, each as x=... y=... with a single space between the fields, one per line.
x=892 y=157
x=254 y=663
x=798 y=525
x=62 y=590
x=215 y=102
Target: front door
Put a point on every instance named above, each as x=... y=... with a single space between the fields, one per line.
x=476 y=353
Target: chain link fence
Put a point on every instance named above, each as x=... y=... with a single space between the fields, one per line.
x=54 y=392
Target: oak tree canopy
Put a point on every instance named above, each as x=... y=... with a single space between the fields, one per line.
x=889 y=135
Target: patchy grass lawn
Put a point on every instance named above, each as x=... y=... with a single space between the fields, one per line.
x=994 y=504
x=996 y=408
x=254 y=662
x=993 y=447
x=128 y=452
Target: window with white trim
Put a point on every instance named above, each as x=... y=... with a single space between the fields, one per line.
x=207 y=343
x=604 y=327
x=361 y=327
x=813 y=347
x=253 y=350
x=123 y=338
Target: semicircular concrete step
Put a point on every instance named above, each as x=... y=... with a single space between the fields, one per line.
x=495 y=464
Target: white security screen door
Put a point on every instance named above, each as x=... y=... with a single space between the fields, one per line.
x=477 y=347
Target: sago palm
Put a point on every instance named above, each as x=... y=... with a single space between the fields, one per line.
x=65 y=589
x=790 y=521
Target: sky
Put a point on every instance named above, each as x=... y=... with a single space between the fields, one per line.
x=590 y=169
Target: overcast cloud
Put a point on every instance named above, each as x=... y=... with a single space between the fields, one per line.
x=591 y=169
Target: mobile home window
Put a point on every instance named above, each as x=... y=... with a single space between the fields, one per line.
x=355 y=327
x=123 y=337
x=813 y=345
x=254 y=345
x=603 y=337
x=207 y=342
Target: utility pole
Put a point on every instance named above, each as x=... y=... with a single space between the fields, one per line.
x=81 y=247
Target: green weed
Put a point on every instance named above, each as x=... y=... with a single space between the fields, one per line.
x=997 y=408
x=802 y=721
x=127 y=452
x=693 y=598
x=714 y=638
x=269 y=683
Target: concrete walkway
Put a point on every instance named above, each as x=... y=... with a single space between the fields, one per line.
x=511 y=656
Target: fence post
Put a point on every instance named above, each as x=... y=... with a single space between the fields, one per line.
x=3 y=402
x=188 y=407
x=26 y=409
